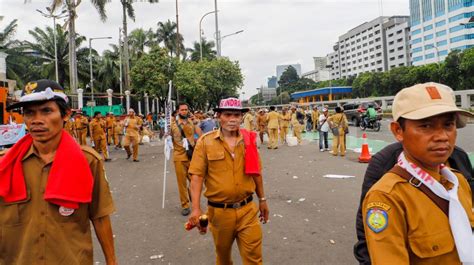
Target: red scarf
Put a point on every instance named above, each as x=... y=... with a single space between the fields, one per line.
x=70 y=179
x=252 y=160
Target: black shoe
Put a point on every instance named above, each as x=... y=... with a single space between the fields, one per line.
x=108 y=160
x=185 y=212
x=128 y=156
x=136 y=160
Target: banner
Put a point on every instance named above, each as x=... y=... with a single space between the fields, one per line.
x=168 y=140
x=10 y=134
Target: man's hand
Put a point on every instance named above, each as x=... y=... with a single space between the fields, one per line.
x=194 y=218
x=264 y=212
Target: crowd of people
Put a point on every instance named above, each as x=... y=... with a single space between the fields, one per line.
x=416 y=202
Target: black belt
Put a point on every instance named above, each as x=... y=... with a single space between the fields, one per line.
x=235 y=205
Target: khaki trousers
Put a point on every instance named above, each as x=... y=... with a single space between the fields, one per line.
x=130 y=139
x=101 y=147
x=110 y=136
x=117 y=139
x=338 y=143
x=273 y=137
x=297 y=131
x=82 y=136
x=240 y=224
x=183 y=178
x=283 y=133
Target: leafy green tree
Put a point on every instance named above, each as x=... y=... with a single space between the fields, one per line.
x=152 y=72
x=190 y=84
x=138 y=40
x=208 y=51
x=451 y=73
x=288 y=77
x=6 y=36
x=108 y=70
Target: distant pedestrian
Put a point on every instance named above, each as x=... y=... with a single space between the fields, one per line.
x=338 y=123
x=323 y=130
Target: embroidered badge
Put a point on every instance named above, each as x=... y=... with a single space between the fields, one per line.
x=381 y=205
x=377 y=220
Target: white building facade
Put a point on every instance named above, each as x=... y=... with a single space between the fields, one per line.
x=438 y=27
x=375 y=46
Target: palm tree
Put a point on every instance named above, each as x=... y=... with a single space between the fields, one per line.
x=140 y=39
x=6 y=36
x=109 y=70
x=166 y=34
x=71 y=6
x=127 y=10
x=208 y=52
x=42 y=49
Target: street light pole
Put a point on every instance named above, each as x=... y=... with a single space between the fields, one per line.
x=120 y=66
x=200 y=32
x=90 y=64
x=225 y=36
x=218 y=41
x=54 y=17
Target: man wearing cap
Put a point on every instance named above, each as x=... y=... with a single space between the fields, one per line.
x=420 y=212
x=227 y=160
x=182 y=133
x=297 y=126
x=132 y=126
x=81 y=123
x=97 y=131
x=110 y=123
x=284 y=122
x=51 y=188
x=261 y=124
x=272 y=121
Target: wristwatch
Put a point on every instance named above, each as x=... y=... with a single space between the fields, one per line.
x=263 y=199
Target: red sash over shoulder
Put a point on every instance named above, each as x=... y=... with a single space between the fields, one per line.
x=252 y=159
x=70 y=179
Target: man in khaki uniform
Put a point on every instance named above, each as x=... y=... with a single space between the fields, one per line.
x=69 y=126
x=297 y=126
x=272 y=121
x=284 y=122
x=97 y=131
x=261 y=124
x=37 y=225
x=110 y=123
x=118 y=132
x=81 y=123
x=420 y=212
x=132 y=126
x=183 y=125
x=219 y=161
x=315 y=117
x=249 y=123
x=339 y=121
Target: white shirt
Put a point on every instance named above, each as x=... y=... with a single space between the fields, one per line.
x=325 y=126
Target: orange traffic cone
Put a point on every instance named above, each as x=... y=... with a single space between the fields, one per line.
x=365 y=155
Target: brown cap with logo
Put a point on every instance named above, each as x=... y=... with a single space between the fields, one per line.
x=426 y=100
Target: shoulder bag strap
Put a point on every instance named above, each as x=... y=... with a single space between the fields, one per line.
x=440 y=202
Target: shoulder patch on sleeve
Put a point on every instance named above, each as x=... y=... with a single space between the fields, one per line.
x=89 y=150
x=377 y=219
x=380 y=205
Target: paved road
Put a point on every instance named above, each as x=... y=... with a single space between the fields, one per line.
x=312 y=217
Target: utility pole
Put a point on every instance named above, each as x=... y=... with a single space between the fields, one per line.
x=218 y=37
x=126 y=63
x=120 y=66
x=177 y=32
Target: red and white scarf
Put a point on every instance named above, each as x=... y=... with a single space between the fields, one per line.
x=458 y=219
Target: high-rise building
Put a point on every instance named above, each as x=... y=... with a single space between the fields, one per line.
x=272 y=82
x=282 y=68
x=375 y=46
x=320 y=63
x=438 y=27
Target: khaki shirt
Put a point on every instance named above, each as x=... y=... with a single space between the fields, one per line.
x=285 y=120
x=224 y=176
x=97 y=129
x=248 y=122
x=81 y=123
x=272 y=119
x=118 y=128
x=179 y=152
x=262 y=122
x=132 y=126
x=338 y=120
x=294 y=120
x=417 y=231
x=110 y=122
x=70 y=127
x=33 y=231
x=314 y=115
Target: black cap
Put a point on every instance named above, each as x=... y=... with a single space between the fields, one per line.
x=38 y=91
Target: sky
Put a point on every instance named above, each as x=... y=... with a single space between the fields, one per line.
x=274 y=31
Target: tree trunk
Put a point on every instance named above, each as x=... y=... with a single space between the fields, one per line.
x=126 y=60
x=71 y=5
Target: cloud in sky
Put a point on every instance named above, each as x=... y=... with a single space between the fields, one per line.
x=275 y=31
